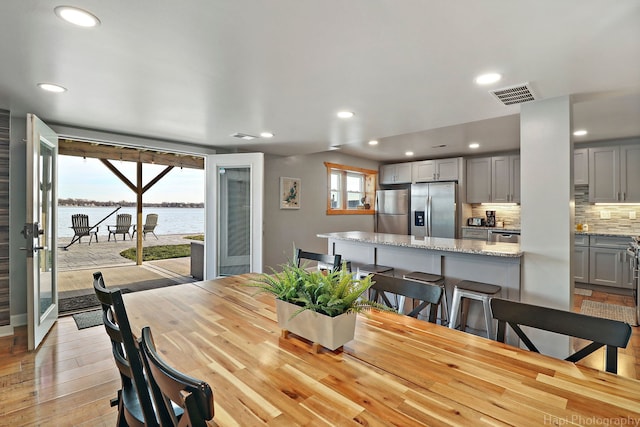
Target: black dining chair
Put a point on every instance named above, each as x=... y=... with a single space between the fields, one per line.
x=601 y=332
x=328 y=262
x=428 y=295
x=133 y=401
x=172 y=388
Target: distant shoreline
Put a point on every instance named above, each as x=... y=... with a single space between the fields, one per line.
x=82 y=203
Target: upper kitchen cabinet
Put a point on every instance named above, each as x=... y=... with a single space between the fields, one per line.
x=630 y=173
x=397 y=173
x=478 y=180
x=505 y=179
x=581 y=166
x=437 y=170
x=613 y=174
x=493 y=179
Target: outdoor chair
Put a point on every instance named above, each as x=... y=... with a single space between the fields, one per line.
x=81 y=228
x=325 y=262
x=602 y=332
x=173 y=388
x=428 y=295
x=123 y=225
x=149 y=226
x=134 y=400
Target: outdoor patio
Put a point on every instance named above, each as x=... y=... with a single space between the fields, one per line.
x=77 y=264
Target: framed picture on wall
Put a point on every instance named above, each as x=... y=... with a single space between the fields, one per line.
x=289 y=193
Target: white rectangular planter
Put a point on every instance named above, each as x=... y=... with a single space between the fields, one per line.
x=329 y=332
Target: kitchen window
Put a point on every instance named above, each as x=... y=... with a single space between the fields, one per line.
x=351 y=190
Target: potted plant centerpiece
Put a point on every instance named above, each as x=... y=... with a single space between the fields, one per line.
x=320 y=306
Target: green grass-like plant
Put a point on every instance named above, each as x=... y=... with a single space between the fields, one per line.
x=152 y=253
x=328 y=292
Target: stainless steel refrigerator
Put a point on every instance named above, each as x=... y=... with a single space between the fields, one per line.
x=392 y=211
x=433 y=209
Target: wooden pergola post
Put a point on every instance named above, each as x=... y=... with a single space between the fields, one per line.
x=139 y=225
x=139 y=190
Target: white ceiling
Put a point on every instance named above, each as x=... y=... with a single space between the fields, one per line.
x=199 y=70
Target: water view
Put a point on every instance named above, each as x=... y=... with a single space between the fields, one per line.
x=170 y=220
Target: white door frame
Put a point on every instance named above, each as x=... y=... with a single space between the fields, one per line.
x=39 y=324
x=254 y=161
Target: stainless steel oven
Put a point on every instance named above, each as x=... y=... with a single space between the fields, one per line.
x=504 y=236
x=634 y=252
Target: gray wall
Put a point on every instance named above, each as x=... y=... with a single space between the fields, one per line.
x=284 y=228
x=17 y=215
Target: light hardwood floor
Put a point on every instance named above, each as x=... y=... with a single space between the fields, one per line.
x=72 y=377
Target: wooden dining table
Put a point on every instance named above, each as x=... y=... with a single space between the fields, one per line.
x=396 y=371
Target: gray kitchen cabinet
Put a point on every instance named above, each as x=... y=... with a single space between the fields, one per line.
x=475 y=234
x=630 y=173
x=613 y=174
x=609 y=264
x=397 y=173
x=436 y=170
x=478 y=180
x=581 y=259
x=500 y=179
x=581 y=166
x=514 y=178
x=493 y=179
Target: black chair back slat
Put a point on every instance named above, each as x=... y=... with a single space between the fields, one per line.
x=127 y=357
x=195 y=397
x=330 y=260
x=428 y=295
x=602 y=332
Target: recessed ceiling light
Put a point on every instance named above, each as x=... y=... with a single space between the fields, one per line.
x=474 y=145
x=76 y=16
x=50 y=87
x=580 y=132
x=409 y=153
x=487 y=79
x=266 y=135
x=373 y=142
x=345 y=114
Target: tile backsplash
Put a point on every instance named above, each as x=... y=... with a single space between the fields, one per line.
x=509 y=214
x=586 y=213
x=590 y=214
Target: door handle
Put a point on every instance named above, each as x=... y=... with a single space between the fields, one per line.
x=429 y=216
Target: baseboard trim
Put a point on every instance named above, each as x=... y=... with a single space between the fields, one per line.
x=6 y=331
x=19 y=320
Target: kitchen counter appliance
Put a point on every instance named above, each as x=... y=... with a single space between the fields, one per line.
x=634 y=252
x=392 y=211
x=434 y=210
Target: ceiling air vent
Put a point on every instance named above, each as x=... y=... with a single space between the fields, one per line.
x=244 y=136
x=514 y=94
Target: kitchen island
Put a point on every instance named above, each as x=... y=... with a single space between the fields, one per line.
x=456 y=259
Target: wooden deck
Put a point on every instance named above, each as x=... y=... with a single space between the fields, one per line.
x=72 y=377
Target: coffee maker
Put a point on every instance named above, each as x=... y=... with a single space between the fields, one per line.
x=491 y=218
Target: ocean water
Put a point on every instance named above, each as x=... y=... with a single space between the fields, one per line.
x=170 y=220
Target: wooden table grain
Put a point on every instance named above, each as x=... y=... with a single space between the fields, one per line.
x=397 y=371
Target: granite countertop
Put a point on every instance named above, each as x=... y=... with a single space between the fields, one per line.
x=499 y=229
x=476 y=247
x=609 y=233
